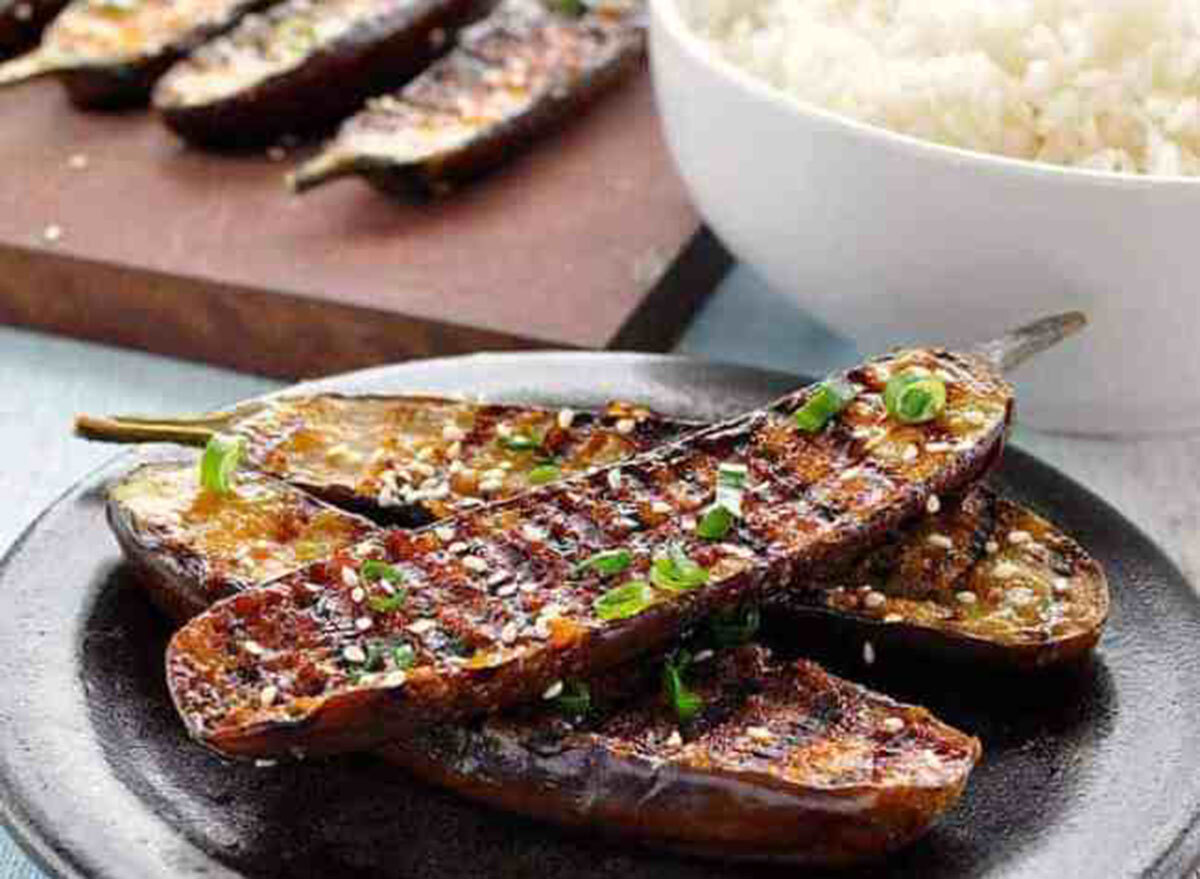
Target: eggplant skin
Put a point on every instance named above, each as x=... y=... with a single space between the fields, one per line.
x=814 y=500
x=328 y=85
x=984 y=581
x=808 y=769
x=22 y=23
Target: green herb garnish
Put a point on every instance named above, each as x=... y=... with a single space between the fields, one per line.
x=624 y=601
x=826 y=400
x=573 y=8
x=221 y=458
x=715 y=523
x=915 y=397
x=521 y=443
x=373 y=569
x=677 y=573
x=404 y=656
x=575 y=700
x=387 y=603
x=732 y=628
x=686 y=703
x=544 y=474
x=607 y=563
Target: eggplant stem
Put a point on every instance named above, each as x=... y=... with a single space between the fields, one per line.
x=1014 y=348
x=194 y=430
x=329 y=165
x=29 y=66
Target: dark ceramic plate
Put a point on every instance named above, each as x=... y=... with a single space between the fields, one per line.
x=1094 y=773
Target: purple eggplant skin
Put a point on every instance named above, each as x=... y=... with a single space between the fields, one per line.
x=22 y=23
x=329 y=85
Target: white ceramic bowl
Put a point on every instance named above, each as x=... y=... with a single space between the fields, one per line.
x=890 y=240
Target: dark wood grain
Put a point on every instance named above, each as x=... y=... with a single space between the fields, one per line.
x=588 y=241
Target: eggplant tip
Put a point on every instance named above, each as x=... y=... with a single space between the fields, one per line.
x=1019 y=345
x=26 y=67
x=325 y=167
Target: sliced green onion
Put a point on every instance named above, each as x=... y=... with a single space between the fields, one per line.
x=221 y=458
x=374 y=661
x=624 y=601
x=915 y=397
x=731 y=480
x=677 y=573
x=387 y=603
x=575 y=700
x=686 y=703
x=733 y=628
x=826 y=401
x=607 y=563
x=573 y=8
x=373 y=569
x=543 y=474
x=404 y=656
x=521 y=443
x=715 y=523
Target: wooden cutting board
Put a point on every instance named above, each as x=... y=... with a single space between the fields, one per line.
x=112 y=230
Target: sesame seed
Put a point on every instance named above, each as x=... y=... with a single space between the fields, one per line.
x=703 y=656
x=350 y=577
x=1005 y=570
x=509 y=633
x=893 y=618
x=674 y=740
x=453 y=451
x=868 y=653
x=965 y=597
x=77 y=162
x=452 y=433
x=420 y=627
x=1061 y=585
x=661 y=507
x=566 y=418
x=534 y=533
x=267 y=695
x=506 y=590
x=358 y=594
x=975 y=417
x=52 y=233
x=491 y=486
x=614 y=479
x=363 y=623
x=354 y=653
x=874 y=600
x=933 y=505
x=938 y=447
x=504 y=430
x=445 y=533
x=992 y=547
x=910 y=453
x=759 y=733
x=940 y=540
x=263 y=763
x=458 y=547
x=893 y=724
x=1016 y=538
x=475 y=563
x=253 y=648
x=1020 y=596
x=626 y=426
x=553 y=691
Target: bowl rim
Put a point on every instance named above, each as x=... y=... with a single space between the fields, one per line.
x=667 y=18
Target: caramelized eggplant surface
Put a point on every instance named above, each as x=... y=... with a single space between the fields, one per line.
x=511 y=78
x=22 y=23
x=983 y=579
x=302 y=66
x=784 y=762
x=502 y=601
x=109 y=53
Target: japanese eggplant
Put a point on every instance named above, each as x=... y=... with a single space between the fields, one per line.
x=513 y=76
x=503 y=601
x=302 y=66
x=767 y=761
x=22 y=23
x=109 y=53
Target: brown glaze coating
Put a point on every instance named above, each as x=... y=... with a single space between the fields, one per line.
x=22 y=23
x=495 y=610
x=786 y=763
x=302 y=67
x=512 y=77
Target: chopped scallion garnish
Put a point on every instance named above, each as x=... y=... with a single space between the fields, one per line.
x=624 y=601
x=715 y=523
x=686 y=703
x=373 y=569
x=544 y=474
x=387 y=603
x=677 y=573
x=732 y=628
x=826 y=401
x=221 y=458
x=404 y=656
x=521 y=443
x=731 y=481
x=575 y=700
x=915 y=397
x=607 y=563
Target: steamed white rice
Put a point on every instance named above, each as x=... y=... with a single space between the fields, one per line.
x=1105 y=84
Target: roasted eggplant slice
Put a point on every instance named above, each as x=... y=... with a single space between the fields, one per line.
x=984 y=580
x=511 y=78
x=503 y=601
x=302 y=66
x=191 y=547
x=22 y=23
x=108 y=53
x=785 y=763
x=410 y=460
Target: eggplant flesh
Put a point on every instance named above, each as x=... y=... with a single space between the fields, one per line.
x=109 y=54
x=22 y=23
x=301 y=67
x=498 y=607
x=511 y=78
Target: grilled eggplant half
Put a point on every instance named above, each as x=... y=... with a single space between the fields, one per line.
x=302 y=66
x=513 y=76
x=504 y=600
x=22 y=23
x=409 y=460
x=784 y=763
x=779 y=762
x=109 y=53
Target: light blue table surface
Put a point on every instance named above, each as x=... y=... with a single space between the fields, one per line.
x=47 y=380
